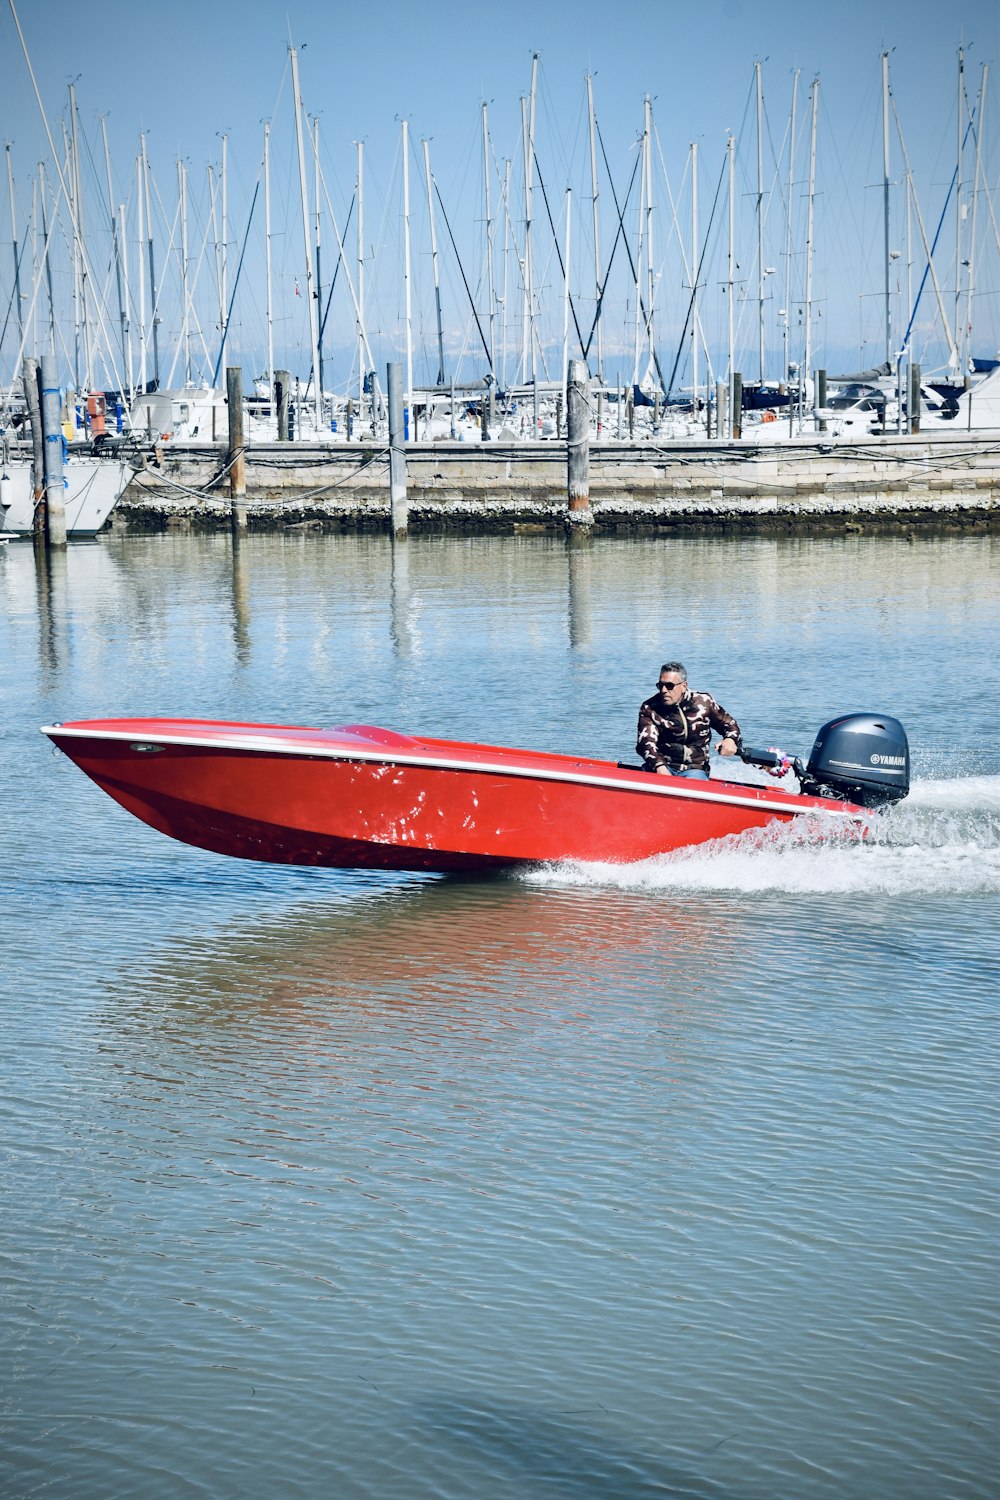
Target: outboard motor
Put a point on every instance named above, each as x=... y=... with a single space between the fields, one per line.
x=860 y=758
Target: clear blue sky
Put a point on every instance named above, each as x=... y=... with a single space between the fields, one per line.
x=187 y=73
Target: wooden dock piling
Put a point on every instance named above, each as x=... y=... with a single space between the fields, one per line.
x=721 y=409
x=237 y=447
x=282 y=384
x=914 y=402
x=397 y=451
x=578 y=440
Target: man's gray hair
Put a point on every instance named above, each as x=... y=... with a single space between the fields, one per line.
x=676 y=666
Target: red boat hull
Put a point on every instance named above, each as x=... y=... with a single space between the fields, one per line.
x=359 y=797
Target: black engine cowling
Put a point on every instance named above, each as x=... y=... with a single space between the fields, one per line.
x=862 y=758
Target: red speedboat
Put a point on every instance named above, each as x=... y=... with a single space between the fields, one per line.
x=361 y=797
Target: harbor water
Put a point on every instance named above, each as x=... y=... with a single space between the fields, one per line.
x=676 y=1179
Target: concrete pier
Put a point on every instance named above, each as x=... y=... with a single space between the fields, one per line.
x=798 y=485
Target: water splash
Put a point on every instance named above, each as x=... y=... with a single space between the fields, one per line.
x=944 y=840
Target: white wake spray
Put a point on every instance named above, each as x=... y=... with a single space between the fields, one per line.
x=945 y=839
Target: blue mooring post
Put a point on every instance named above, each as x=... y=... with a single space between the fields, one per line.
x=55 y=508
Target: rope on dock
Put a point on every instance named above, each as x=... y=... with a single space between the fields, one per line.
x=380 y=455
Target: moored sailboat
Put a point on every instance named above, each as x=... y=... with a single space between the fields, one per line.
x=93 y=487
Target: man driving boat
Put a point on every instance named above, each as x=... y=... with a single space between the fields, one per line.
x=675 y=727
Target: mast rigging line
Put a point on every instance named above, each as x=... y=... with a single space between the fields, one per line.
x=336 y=269
x=465 y=283
x=13 y=291
x=236 y=280
x=628 y=249
x=362 y=330
x=937 y=232
x=188 y=306
x=555 y=241
x=697 y=276
x=675 y=232
x=611 y=257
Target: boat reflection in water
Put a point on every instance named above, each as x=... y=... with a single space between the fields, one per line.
x=457 y=957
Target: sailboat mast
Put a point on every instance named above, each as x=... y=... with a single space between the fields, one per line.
x=506 y=273
x=434 y=260
x=185 y=321
x=959 y=207
x=116 y=247
x=528 y=135
x=123 y=244
x=650 y=265
x=140 y=200
x=43 y=193
x=361 y=270
x=810 y=221
x=694 y=280
x=88 y=373
x=490 y=295
x=269 y=303
x=595 y=196
x=213 y=200
x=34 y=265
x=66 y=178
x=885 y=202
x=644 y=148
x=77 y=280
x=980 y=126
x=406 y=262
x=317 y=247
x=307 y=252
x=760 y=223
x=17 y=255
x=732 y=260
x=224 y=277
x=152 y=267
x=788 y=224
x=565 y=348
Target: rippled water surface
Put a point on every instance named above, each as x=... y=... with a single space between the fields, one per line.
x=676 y=1179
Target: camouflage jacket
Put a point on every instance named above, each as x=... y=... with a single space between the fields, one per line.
x=680 y=737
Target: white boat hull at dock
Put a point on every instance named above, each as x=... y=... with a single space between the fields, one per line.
x=92 y=488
